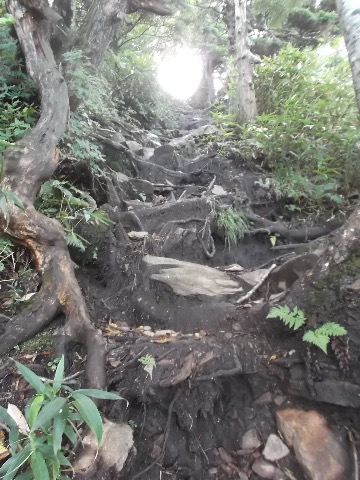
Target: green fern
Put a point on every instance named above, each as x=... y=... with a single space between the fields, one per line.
x=321 y=336
x=292 y=318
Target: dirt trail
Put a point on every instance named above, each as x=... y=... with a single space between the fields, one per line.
x=171 y=289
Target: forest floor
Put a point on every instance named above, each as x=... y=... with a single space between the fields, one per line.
x=226 y=379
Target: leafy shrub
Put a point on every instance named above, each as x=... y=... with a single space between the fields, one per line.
x=70 y=205
x=308 y=125
x=41 y=441
x=17 y=114
x=295 y=319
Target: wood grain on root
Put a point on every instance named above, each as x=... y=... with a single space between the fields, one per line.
x=27 y=167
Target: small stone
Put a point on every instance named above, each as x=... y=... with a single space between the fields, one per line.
x=243 y=476
x=355 y=286
x=228 y=335
x=279 y=400
x=275 y=449
x=264 y=469
x=265 y=398
x=250 y=440
x=218 y=191
x=138 y=235
x=147 y=333
x=147 y=328
x=316 y=447
x=236 y=327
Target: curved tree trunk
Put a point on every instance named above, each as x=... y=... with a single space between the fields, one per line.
x=26 y=168
x=349 y=13
x=34 y=161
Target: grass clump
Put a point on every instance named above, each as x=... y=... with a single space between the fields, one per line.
x=234 y=224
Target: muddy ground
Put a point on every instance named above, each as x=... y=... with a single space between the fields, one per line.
x=221 y=368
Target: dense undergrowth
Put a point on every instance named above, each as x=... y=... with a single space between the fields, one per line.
x=307 y=134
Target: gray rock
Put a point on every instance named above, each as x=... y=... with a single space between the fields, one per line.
x=164 y=156
x=264 y=469
x=264 y=399
x=250 y=440
x=275 y=449
x=134 y=146
x=114 y=450
x=148 y=152
x=186 y=278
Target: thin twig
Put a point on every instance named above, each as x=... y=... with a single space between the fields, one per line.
x=258 y=285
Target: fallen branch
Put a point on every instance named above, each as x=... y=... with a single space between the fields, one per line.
x=257 y=286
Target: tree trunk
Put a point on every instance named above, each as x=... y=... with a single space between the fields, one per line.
x=349 y=13
x=246 y=110
x=34 y=161
x=26 y=168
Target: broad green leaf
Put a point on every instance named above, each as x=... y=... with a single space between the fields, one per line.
x=38 y=466
x=54 y=468
x=63 y=460
x=90 y=414
x=14 y=436
x=48 y=412
x=31 y=377
x=71 y=435
x=7 y=419
x=92 y=392
x=60 y=422
x=11 y=466
x=34 y=408
x=59 y=375
x=28 y=475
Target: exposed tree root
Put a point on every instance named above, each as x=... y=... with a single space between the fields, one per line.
x=295 y=235
x=27 y=167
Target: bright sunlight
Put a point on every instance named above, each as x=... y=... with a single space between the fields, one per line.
x=180 y=74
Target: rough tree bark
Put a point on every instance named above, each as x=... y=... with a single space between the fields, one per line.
x=246 y=109
x=349 y=13
x=34 y=161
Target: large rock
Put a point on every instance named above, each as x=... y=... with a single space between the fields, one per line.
x=178 y=293
x=186 y=278
x=165 y=157
x=316 y=447
x=113 y=452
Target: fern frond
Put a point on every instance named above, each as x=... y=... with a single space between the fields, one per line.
x=76 y=240
x=331 y=329
x=292 y=318
x=319 y=340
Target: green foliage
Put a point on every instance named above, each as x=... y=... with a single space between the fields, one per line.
x=70 y=206
x=135 y=90
x=6 y=250
x=308 y=130
x=295 y=319
x=89 y=86
x=321 y=336
x=307 y=20
x=41 y=440
x=148 y=362
x=291 y=318
x=77 y=144
x=17 y=115
x=234 y=224
x=275 y=12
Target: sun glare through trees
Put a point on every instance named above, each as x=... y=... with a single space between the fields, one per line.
x=180 y=74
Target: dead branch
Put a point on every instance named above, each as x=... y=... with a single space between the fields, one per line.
x=258 y=285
